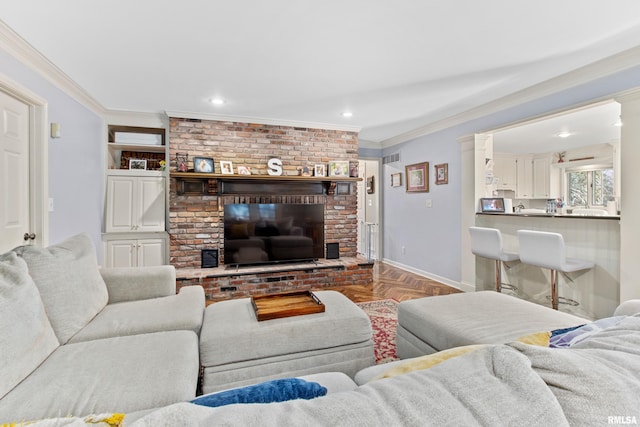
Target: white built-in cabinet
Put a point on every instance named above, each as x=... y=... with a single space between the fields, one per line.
x=135 y=203
x=535 y=178
x=136 y=252
x=505 y=169
x=524 y=189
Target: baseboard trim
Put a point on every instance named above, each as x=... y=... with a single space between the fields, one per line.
x=448 y=282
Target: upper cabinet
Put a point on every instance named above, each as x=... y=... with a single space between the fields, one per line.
x=145 y=146
x=505 y=169
x=524 y=189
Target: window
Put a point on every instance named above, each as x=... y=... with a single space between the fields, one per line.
x=590 y=187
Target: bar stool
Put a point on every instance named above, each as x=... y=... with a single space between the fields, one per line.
x=547 y=250
x=487 y=243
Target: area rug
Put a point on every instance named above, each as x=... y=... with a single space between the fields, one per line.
x=384 y=321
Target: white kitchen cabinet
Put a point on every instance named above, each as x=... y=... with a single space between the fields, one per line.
x=541 y=171
x=146 y=252
x=505 y=168
x=524 y=189
x=135 y=203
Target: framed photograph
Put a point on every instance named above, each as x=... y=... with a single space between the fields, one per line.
x=226 y=167
x=203 y=164
x=396 y=179
x=417 y=177
x=244 y=170
x=370 y=185
x=442 y=173
x=305 y=171
x=138 y=164
x=339 y=168
x=319 y=170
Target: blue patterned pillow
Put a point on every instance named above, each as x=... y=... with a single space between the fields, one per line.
x=266 y=392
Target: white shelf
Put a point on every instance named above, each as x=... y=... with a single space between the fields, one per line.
x=137 y=147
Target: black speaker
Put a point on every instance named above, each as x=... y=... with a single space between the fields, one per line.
x=209 y=258
x=333 y=250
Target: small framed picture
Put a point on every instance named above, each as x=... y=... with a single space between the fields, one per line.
x=137 y=164
x=370 y=188
x=417 y=177
x=442 y=173
x=396 y=179
x=203 y=164
x=339 y=168
x=319 y=170
x=244 y=170
x=226 y=167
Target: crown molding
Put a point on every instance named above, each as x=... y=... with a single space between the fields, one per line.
x=263 y=121
x=364 y=143
x=17 y=47
x=602 y=68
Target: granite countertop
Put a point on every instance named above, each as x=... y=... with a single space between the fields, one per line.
x=551 y=215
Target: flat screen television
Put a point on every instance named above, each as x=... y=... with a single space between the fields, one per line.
x=492 y=205
x=263 y=233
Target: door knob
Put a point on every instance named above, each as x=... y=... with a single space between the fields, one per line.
x=28 y=236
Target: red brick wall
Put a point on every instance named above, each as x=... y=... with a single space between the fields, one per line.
x=195 y=221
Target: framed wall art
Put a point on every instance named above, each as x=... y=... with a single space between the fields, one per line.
x=244 y=170
x=417 y=177
x=319 y=170
x=137 y=164
x=396 y=179
x=442 y=173
x=203 y=164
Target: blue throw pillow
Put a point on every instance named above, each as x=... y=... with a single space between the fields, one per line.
x=266 y=392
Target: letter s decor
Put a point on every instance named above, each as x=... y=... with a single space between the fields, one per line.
x=275 y=167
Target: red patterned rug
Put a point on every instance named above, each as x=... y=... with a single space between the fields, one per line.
x=384 y=321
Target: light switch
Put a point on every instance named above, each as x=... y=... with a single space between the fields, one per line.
x=55 y=130
x=429 y=203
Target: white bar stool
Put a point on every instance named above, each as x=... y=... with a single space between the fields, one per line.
x=547 y=250
x=487 y=243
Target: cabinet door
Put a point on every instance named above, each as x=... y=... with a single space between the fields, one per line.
x=151 y=204
x=505 y=169
x=121 y=213
x=541 y=179
x=121 y=253
x=151 y=252
x=524 y=190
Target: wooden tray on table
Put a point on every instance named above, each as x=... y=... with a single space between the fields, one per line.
x=287 y=304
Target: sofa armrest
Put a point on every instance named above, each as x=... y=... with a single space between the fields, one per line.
x=628 y=308
x=137 y=283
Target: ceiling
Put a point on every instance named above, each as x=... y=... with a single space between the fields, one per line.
x=396 y=65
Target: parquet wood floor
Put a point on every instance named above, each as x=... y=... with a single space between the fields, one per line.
x=395 y=283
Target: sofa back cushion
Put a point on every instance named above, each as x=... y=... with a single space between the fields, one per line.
x=27 y=337
x=69 y=281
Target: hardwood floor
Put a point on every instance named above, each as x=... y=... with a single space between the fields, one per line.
x=395 y=283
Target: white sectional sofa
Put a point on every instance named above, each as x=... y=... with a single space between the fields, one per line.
x=80 y=340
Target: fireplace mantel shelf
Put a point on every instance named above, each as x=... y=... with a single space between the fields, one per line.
x=329 y=182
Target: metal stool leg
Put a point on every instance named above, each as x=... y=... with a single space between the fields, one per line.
x=554 y=289
x=498 y=276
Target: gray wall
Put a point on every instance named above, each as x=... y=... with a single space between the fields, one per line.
x=76 y=160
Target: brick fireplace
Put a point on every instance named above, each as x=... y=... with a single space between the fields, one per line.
x=196 y=219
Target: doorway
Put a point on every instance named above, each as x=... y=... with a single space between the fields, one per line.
x=369 y=233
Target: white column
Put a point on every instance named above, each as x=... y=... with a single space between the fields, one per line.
x=630 y=196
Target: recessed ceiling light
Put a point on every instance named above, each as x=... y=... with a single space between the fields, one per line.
x=347 y=114
x=564 y=134
x=217 y=101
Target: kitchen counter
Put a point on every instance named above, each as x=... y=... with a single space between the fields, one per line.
x=549 y=215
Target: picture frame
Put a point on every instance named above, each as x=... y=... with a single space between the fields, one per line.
x=137 y=164
x=319 y=170
x=370 y=188
x=396 y=179
x=339 y=168
x=417 y=177
x=244 y=170
x=203 y=165
x=442 y=173
x=226 y=167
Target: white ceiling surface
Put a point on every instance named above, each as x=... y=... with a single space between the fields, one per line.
x=397 y=65
x=587 y=126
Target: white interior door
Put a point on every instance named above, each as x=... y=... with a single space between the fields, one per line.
x=14 y=172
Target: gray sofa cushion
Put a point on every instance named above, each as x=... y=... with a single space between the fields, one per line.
x=27 y=337
x=183 y=311
x=69 y=282
x=123 y=374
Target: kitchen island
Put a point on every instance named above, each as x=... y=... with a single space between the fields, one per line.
x=594 y=238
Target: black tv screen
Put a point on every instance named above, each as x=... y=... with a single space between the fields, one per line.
x=261 y=233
